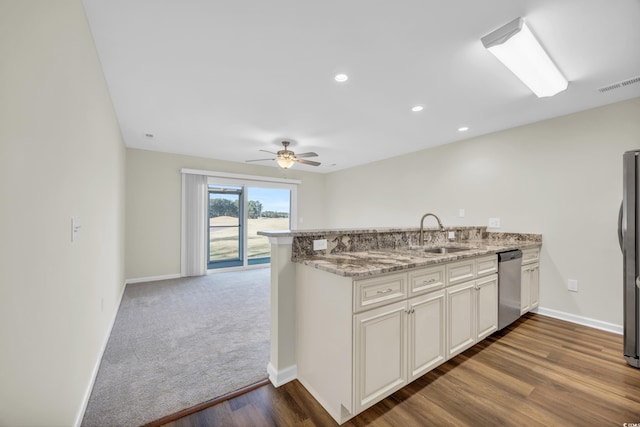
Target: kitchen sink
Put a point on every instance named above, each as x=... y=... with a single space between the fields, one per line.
x=444 y=250
x=439 y=250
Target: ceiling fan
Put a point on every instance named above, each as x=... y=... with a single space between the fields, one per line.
x=286 y=158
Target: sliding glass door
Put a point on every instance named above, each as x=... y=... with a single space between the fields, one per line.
x=236 y=214
x=267 y=209
x=226 y=205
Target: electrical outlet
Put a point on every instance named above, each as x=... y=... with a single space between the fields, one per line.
x=461 y=212
x=319 y=245
x=494 y=222
x=572 y=285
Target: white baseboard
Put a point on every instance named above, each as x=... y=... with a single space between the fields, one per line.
x=94 y=373
x=152 y=278
x=585 y=321
x=282 y=377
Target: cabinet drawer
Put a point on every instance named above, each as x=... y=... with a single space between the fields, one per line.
x=530 y=255
x=377 y=291
x=461 y=271
x=486 y=265
x=426 y=280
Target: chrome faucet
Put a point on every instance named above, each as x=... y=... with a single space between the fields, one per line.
x=422 y=226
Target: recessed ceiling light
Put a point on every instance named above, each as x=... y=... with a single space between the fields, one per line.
x=417 y=108
x=463 y=129
x=341 y=78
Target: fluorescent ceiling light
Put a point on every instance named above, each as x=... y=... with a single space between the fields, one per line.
x=517 y=48
x=463 y=129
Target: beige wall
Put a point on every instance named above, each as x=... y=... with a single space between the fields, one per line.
x=61 y=155
x=560 y=177
x=154 y=186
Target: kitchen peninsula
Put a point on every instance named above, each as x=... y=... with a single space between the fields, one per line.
x=372 y=310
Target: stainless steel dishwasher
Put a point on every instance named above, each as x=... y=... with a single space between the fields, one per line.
x=509 y=274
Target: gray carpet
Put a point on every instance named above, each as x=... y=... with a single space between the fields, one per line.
x=178 y=343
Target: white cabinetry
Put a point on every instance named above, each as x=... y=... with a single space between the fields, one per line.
x=358 y=341
x=530 y=280
x=461 y=317
x=426 y=331
x=399 y=342
x=472 y=306
x=486 y=306
x=380 y=353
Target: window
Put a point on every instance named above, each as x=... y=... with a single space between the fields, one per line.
x=237 y=210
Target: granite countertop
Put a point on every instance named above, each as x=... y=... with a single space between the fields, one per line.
x=315 y=232
x=374 y=262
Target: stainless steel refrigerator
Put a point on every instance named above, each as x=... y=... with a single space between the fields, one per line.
x=629 y=236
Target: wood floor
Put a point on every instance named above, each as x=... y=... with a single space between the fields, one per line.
x=538 y=372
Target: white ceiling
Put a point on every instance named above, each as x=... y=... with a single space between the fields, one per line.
x=224 y=79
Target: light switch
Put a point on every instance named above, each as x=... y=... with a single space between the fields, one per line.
x=461 y=212
x=572 y=285
x=75 y=228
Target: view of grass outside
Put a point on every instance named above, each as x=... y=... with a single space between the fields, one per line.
x=266 y=209
x=224 y=240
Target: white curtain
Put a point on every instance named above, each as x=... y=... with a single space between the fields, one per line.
x=194 y=223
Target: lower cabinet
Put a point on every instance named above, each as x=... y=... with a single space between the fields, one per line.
x=396 y=344
x=461 y=318
x=486 y=306
x=530 y=287
x=472 y=313
x=359 y=340
x=380 y=353
x=530 y=280
x=426 y=332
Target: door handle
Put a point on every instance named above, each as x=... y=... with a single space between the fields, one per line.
x=620 y=226
x=638 y=282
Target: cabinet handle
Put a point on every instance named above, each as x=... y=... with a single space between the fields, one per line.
x=410 y=311
x=385 y=291
x=426 y=282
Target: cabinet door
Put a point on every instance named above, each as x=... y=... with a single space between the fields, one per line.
x=525 y=304
x=380 y=353
x=487 y=306
x=534 y=285
x=426 y=328
x=461 y=307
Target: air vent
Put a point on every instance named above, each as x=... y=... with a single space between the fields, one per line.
x=619 y=84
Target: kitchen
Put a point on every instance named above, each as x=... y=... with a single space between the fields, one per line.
x=557 y=173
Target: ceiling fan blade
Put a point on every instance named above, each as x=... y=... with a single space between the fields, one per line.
x=257 y=160
x=309 y=154
x=307 y=162
x=270 y=152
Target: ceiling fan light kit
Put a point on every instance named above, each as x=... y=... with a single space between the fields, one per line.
x=285 y=162
x=286 y=158
x=518 y=49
